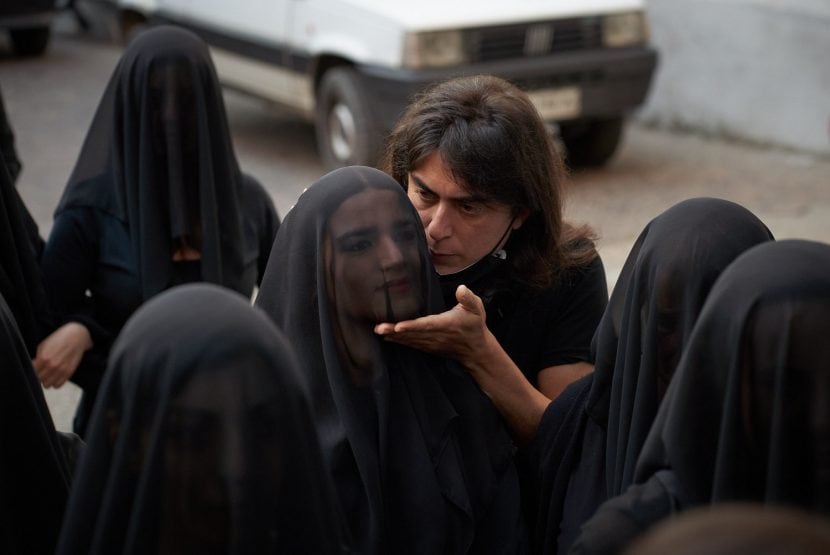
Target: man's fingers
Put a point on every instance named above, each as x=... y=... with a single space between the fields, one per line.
x=424 y=323
x=387 y=328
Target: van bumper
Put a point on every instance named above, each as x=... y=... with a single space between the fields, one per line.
x=611 y=82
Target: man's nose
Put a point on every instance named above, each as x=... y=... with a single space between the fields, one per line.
x=439 y=225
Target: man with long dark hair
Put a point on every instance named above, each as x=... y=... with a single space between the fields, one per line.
x=526 y=288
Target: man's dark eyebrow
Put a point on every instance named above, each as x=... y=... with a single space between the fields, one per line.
x=420 y=183
x=476 y=199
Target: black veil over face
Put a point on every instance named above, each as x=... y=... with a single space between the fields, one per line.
x=417 y=452
x=747 y=416
x=34 y=476
x=202 y=439
x=650 y=315
x=158 y=156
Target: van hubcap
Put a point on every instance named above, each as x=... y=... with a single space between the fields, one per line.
x=341 y=132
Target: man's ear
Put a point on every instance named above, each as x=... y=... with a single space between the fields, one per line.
x=519 y=219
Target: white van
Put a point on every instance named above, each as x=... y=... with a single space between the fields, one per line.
x=351 y=66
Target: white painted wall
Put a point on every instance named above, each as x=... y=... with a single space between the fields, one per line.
x=751 y=69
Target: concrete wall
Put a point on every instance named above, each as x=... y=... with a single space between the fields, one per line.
x=757 y=70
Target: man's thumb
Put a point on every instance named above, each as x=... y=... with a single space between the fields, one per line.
x=468 y=299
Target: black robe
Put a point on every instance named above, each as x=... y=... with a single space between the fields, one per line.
x=420 y=458
x=202 y=439
x=21 y=281
x=747 y=416
x=589 y=443
x=34 y=478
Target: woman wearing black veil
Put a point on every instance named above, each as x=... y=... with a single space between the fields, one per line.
x=156 y=199
x=34 y=475
x=589 y=439
x=747 y=415
x=419 y=456
x=202 y=439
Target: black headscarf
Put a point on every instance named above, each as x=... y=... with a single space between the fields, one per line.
x=34 y=479
x=655 y=303
x=420 y=458
x=158 y=156
x=747 y=416
x=21 y=282
x=590 y=437
x=202 y=439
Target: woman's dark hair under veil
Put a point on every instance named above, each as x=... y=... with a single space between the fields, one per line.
x=590 y=438
x=747 y=415
x=34 y=479
x=420 y=458
x=202 y=439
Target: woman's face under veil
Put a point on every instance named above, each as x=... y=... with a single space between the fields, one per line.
x=221 y=463
x=373 y=260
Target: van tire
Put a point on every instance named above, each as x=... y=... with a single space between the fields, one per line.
x=346 y=131
x=31 y=41
x=591 y=143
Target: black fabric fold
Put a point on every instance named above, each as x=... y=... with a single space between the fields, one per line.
x=34 y=480
x=21 y=281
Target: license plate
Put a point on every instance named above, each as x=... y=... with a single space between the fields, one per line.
x=555 y=104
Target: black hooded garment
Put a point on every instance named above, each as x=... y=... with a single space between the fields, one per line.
x=202 y=439
x=34 y=475
x=157 y=165
x=419 y=456
x=21 y=281
x=8 y=152
x=590 y=437
x=747 y=415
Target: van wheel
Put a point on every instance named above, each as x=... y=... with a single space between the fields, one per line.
x=346 y=132
x=591 y=143
x=31 y=41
